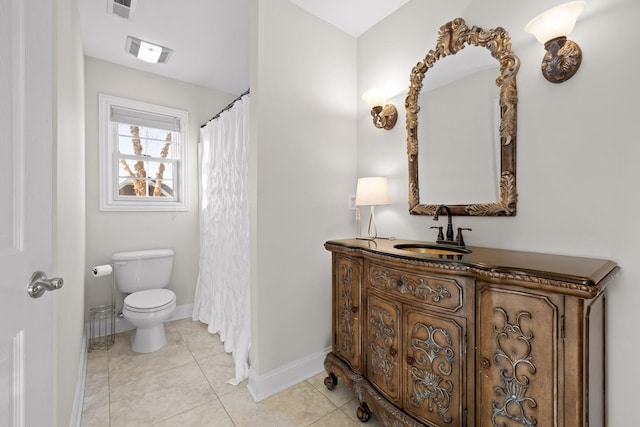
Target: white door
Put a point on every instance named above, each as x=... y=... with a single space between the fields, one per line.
x=26 y=128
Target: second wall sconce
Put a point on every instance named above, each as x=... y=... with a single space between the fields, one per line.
x=384 y=115
x=563 y=57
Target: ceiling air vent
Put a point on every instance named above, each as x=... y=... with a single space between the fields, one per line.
x=122 y=8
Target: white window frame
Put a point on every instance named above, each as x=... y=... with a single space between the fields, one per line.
x=109 y=198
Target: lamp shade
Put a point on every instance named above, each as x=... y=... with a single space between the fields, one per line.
x=372 y=191
x=374 y=97
x=556 y=22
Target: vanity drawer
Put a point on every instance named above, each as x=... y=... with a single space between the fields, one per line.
x=443 y=292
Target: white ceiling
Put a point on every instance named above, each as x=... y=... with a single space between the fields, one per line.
x=209 y=38
x=351 y=16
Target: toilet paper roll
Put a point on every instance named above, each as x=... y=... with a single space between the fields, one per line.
x=101 y=270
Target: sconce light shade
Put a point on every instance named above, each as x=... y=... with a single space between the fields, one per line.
x=372 y=191
x=556 y=22
x=384 y=115
x=551 y=28
x=374 y=97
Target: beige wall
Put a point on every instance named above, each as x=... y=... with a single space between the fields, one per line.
x=69 y=209
x=109 y=232
x=577 y=150
x=303 y=167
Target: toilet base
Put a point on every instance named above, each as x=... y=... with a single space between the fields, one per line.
x=147 y=340
x=149 y=335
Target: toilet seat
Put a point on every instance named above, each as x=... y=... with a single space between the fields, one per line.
x=149 y=301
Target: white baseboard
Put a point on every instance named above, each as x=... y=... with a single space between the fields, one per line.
x=182 y=312
x=78 y=400
x=261 y=387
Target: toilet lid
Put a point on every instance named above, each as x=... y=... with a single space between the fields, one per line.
x=149 y=299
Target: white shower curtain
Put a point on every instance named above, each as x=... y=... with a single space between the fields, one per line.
x=222 y=299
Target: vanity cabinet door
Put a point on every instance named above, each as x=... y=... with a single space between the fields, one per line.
x=383 y=346
x=435 y=360
x=518 y=357
x=347 y=311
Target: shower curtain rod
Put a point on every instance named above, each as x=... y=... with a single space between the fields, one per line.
x=246 y=92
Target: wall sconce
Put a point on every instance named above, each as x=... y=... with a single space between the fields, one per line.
x=372 y=191
x=383 y=117
x=551 y=28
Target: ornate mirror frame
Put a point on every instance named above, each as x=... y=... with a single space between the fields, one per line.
x=453 y=37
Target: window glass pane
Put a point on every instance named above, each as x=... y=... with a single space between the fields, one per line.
x=132 y=187
x=161 y=188
x=132 y=168
x=152 y=189
x=164 y=169
x=124 y=129
x=143 y=178
x=155 y=148
x=125 y=144
x=134 y=138
x=143 y=141
x=151 y=133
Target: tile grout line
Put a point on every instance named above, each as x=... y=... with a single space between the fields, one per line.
x=209 y=382
x=207 y=378
x=195 y=360
x=110 y=355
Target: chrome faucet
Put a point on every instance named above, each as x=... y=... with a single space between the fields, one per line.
x=449 y=238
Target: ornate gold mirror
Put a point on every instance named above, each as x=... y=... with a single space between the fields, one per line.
x=453 y=37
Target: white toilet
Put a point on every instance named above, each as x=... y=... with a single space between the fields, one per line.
x=143 y=275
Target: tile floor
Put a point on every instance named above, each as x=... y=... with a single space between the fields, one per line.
x=184 y=384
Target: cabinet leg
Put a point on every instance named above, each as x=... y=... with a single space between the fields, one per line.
x=331 y=381
x=363 y=413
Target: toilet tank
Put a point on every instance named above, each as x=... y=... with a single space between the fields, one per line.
x=141 y=270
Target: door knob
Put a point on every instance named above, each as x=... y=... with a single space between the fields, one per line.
x=39 y=284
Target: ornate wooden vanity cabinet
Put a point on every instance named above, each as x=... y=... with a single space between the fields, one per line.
x=489 y=338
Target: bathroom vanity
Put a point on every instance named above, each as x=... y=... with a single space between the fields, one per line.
x=425 y=335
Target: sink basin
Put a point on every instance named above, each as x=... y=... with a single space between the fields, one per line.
x=432 y=249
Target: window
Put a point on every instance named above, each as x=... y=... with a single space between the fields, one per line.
x=142 y=156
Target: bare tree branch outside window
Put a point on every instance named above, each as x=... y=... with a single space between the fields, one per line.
x=138 y=176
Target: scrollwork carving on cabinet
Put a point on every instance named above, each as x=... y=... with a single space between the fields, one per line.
x=347 y=335
x=346 y=326
x=423 y=287
x=433 y=363
x=437 y=294
x=383 y=336
x=513 y=355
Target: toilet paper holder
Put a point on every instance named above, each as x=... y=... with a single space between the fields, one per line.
x=102 y=318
